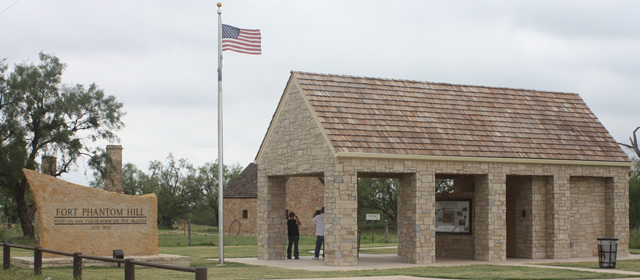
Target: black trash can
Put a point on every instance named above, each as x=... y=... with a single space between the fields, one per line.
x=607 y=252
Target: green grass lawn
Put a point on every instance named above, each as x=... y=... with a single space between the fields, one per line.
x=202 y=249
x=240 y=271
x=627 y=265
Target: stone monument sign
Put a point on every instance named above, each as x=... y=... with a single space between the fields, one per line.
x=75 y=218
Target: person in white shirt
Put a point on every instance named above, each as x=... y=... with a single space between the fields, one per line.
x=318 y=219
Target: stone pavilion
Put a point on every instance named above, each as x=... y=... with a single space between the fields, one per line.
x=534 y=173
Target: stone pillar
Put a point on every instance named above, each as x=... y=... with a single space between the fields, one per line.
x=490 y=217
x=113 y=179
x=617 y=197
x=404 y=217
x=558 y=220
x=416 y=218
x=341 y=218
x=49 y=165
x=540 y=189
x=272 y=220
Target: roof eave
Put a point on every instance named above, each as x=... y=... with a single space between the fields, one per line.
x=485 y=159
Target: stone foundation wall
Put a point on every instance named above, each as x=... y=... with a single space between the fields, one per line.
x=455 y=246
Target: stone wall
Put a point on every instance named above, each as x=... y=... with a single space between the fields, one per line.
x=547 y=230
x=304 y=196
x=520 y=221
x=75 y=218
x=49 y=165
x=234 y=221
x=457 y=245
x=113 y=178
x=588 y=216
x=540 y=217
x=295 y=146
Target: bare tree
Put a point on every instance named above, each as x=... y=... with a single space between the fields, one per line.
x=634 y=142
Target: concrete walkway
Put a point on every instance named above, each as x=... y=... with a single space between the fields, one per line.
x=388 y=261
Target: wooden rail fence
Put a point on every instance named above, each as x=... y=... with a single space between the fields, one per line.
x=129 y=264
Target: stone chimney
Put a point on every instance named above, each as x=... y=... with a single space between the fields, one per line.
x=49 y=165
x=113 y=178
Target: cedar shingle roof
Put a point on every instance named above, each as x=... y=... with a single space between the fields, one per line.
x=246 y=185
x=401 y=117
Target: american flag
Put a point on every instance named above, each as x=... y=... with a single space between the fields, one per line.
x=241 y=40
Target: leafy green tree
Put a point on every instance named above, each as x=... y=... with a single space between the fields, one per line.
x=444 y=185
x=377 y=195
x=176 y=186
x=40 y=116
x=208 y=176
x=134 y=180
x=182 y=190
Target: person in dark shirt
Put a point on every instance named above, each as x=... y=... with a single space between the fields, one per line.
x=294 y=235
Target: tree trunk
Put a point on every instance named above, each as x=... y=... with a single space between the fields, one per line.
x=32 y=211
x=216 y=215
x=168 y=221
x=23 y=212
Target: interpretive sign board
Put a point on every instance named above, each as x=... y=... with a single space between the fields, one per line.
x=453 y=216
x=75 y=218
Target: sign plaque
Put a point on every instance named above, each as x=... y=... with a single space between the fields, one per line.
x=373 y=217
x=75 y=218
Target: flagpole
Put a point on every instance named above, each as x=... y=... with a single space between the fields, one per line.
x=220 y=161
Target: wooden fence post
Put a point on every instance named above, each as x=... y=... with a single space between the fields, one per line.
x=189 y=232
x=77 y=266
x=6 y=259
x=37 y=261
x=129 y=270
x=201 y=273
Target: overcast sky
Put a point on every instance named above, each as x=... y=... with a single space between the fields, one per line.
x=159 y=58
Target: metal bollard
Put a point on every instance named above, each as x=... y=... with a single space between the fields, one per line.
x=129 y=270
x=6 y=259
x=37 y=261
x=201 y=273
x=77 y=266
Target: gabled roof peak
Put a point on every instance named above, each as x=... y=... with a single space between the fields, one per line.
x=310 y=75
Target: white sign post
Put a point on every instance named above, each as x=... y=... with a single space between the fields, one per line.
x=372 y=217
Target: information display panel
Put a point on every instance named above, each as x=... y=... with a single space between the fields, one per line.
x=453 y=216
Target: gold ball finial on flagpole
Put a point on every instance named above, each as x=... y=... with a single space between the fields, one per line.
x=219 y=5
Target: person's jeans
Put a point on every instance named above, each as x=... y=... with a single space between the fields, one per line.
x=293 y=240
x=319 y=243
